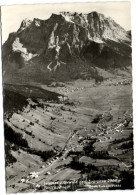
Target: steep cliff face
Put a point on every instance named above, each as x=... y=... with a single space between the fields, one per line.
x=99 y=27
x=64 y=47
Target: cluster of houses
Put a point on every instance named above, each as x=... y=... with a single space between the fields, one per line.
x=52 y=160
x=71 y=90
x=124 y=82
x=32 y=175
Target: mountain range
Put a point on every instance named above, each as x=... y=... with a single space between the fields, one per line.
x=64 y=47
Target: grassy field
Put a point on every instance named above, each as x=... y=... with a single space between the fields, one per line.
x=67 y=128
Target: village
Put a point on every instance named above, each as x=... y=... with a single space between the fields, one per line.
x=66 y=129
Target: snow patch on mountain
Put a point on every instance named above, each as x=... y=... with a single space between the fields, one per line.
x=37 y=23
x=18 y=47
x=48 y=67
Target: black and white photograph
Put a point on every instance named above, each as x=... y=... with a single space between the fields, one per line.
x=67 y=97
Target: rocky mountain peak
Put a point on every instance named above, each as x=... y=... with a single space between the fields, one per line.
x=24 y=24
x=67 y=44
x=100 y=27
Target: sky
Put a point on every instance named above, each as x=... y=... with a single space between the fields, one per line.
x=13 y=15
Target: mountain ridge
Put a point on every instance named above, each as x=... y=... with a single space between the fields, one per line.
x=65 y=46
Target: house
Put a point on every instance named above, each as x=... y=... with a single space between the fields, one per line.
x=33 y=175
x=37 y=186
x=23 y=180
x=62 y=98
x=99 y=140
x=48 y=173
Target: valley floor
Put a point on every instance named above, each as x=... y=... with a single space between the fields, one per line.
x=89 y=131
